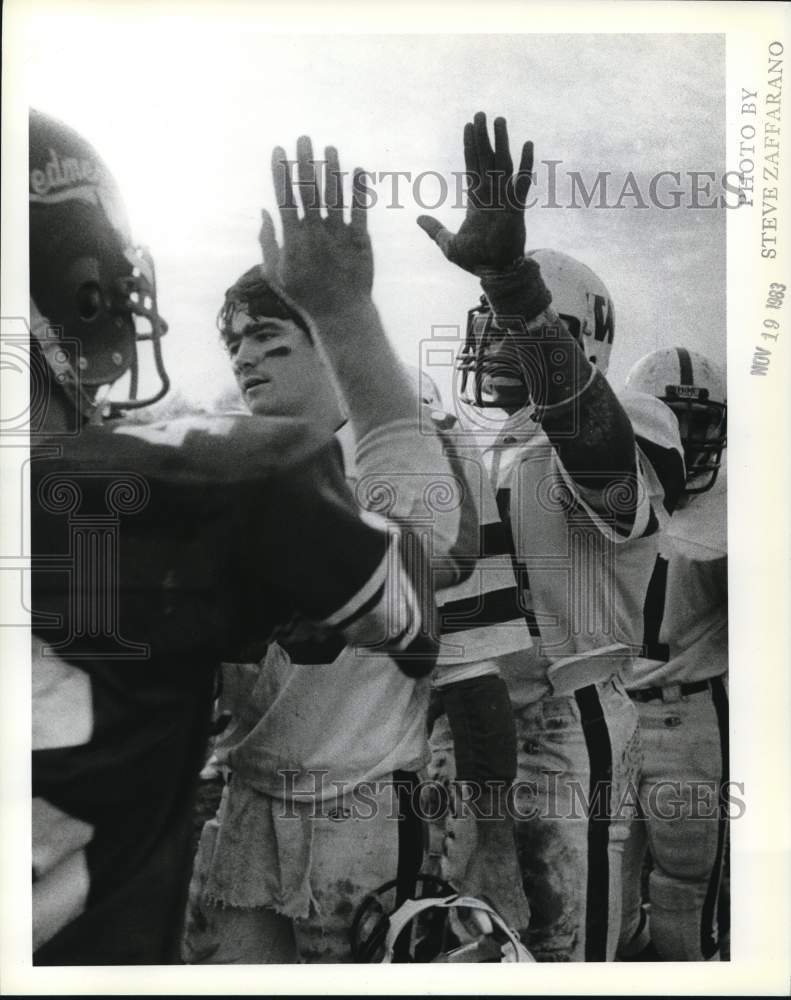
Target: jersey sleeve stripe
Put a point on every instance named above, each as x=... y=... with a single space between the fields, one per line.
x=390 y=617
x=360 y=611
x=364 y=598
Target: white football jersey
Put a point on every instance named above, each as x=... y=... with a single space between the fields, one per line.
x=482 y=617
x=587 y=573
x=686 y=613
x=321 y=716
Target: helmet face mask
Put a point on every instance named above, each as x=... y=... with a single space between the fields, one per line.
x=138 y=295
x=695 y=390
x=489 y=373
x=93 y=294
x=702 y=427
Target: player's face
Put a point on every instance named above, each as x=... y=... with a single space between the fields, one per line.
x=502 y=381
x=278 y=370
x=697 y=425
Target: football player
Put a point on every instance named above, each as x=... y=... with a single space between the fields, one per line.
x=679 y=685
x=581 y=484
x=157 y=551
x=292 y=854
x=470 y=720
x=472 y=738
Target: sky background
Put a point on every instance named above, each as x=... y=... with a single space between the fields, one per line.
x=185 y=113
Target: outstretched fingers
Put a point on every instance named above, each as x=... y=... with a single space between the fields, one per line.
x=482 y=144
x=524 y=178
x=284 y=191
x=309 y=190
x=359 y=214
x=441 y=236
x=270 y=250
x=333 y=185
x=502 y=154
x=471 y=164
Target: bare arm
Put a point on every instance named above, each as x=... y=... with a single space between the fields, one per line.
x=327 y=266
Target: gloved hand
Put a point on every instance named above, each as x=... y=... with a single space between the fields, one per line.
x=492 y=236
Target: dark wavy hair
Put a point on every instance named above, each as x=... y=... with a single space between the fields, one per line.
x=255 y=294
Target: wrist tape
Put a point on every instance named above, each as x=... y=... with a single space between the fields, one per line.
x=520 y=291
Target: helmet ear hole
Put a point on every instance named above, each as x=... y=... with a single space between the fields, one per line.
x=89 y=301
x=592 y=359
x=81 y=273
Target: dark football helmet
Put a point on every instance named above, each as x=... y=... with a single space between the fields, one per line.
x=579 y=297
x=89 y=286
x=696 y=390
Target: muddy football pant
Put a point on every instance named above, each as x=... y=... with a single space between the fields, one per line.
x=577 y=759
x=354 y=851
x=682 y=824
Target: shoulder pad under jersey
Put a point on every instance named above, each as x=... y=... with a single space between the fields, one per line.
x=652 y=419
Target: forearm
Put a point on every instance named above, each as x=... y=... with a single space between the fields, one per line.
x=404 y=475
x=575 y=405
x=375 y=388
x=589 y=428
x=403 y=472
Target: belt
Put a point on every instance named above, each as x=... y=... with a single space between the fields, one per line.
x=670 y=692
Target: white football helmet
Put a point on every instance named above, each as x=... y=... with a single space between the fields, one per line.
x=438 y=926
x=581 y=300
x=696 y=390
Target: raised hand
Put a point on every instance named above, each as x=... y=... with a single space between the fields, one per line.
x=492 y=235
x=325 y=264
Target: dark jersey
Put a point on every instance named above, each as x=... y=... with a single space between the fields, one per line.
x=158 y=550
